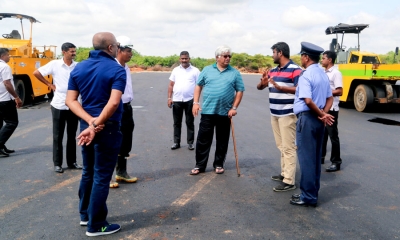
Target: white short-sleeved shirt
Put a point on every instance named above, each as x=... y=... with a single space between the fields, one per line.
x=335 y=81
x=5 y=74
x=60 y=72
x=127 y=97
x=185 y=80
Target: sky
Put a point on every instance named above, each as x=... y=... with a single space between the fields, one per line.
x=167 y=27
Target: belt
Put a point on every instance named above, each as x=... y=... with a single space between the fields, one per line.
x=126 y=104
x=306 y=113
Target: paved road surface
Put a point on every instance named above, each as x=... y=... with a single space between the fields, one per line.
x=359 y=202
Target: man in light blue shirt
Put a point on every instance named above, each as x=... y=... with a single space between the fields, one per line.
x=222 y=88
x=313 y=99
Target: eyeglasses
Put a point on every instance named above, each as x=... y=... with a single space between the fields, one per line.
x=227 y=56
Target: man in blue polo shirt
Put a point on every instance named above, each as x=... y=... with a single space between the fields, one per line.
x=101 y=81
x=282 y=81
x=222 y=88
x=313 y=99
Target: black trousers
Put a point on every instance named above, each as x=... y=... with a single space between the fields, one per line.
x=60 y=118
x=177 y=111
x=222 y=126
x=8 y=114
x=127 y=127
x=333 y=133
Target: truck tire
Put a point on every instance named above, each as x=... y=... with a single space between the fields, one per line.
x=363 y=97
x=21 y=90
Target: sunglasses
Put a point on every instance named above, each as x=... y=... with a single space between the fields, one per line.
x=227 y=56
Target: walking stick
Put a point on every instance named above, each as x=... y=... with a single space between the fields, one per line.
x=234 y=148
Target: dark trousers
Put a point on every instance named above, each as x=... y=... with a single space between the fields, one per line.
x=60 y=118
x=222 y=126
x=309 y=137
x=127 y=127
x=177 y=111
x=333 y=133
x=99 y=159
x=8 y=114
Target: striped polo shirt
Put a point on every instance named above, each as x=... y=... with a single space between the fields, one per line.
x=219 y=89
x=281 y=103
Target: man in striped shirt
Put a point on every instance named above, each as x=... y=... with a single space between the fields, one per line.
x=282 y=81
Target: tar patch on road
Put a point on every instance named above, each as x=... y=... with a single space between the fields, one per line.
x=385 y=121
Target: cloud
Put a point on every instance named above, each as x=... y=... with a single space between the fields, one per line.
x=301 y=18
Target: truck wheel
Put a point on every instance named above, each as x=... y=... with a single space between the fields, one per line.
x=21 y=90
x=363 y=97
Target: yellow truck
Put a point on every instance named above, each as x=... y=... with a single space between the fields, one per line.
x=25 y=58
x=366 y=80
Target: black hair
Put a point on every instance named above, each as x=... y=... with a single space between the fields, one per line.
x=314 y=58
x=66 y=46
x=282 y=47
x=330 y=54
x=186 y=53
x=3 y=51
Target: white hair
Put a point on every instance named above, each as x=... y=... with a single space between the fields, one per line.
x=222 y=49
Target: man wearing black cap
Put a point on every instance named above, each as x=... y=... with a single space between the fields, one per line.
x=313 y=99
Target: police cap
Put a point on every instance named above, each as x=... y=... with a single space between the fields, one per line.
x=311 y=49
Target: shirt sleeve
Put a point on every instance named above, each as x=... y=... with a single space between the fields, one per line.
x=47 y=69
x=172 y=76
x=5 y=74
x=239 y=85
x=296 y=75
x=71 y=82
x=120 y=79
x=304 y=87
x=202 y=78
x=337 y=80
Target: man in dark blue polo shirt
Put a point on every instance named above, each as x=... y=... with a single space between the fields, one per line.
x=100 y=81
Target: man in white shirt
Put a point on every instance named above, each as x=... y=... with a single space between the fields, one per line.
x=9 y=102
x=180 y=98
x=61 y=69
x=124 y=55
x=335 y=80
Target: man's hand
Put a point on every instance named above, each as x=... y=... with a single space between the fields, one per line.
x=327 y=119
x=98 y=127
x=52 y=87
x=195 y=110
x=169 y=103
x=232 y=113
x=86 y=136
x=18 y=102
x=277 y=86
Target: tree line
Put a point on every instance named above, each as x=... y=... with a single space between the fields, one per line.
x=242 y=61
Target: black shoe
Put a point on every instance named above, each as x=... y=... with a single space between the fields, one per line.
x=277 y=178
x=295 y=196
x=8 y=150
x=58 y=169
x=175 y=146
x=284 y=187
x=333 y=168
x=299 y=202
x=75 y=166
x=3 y=153
x=190 y=146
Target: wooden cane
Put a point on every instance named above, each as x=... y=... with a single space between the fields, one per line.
x=234 y=148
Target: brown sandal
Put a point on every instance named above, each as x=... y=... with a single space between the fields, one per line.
x=219 y=170
x=196 y=171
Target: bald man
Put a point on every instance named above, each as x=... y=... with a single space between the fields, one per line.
x=101 y=82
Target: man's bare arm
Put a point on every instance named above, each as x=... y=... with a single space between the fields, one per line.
x=170 y=91
x=40 y=77
x=337 y=92
x=9 y=87
x=196 y=98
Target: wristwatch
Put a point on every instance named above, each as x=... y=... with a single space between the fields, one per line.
x=234 y=108
x=94 y=125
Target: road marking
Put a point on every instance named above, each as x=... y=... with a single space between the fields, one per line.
x=8 y=208
x=144 y=233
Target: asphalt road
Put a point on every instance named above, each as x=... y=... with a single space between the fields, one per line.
x=359 y=202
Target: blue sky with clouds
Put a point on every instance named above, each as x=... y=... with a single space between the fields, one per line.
x=199 y=26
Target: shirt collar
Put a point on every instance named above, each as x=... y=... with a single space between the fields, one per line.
x=287 y=65
x=330 y=69
x=1 y=60
x=190 y=65
x=228 y=67
x=99 y=54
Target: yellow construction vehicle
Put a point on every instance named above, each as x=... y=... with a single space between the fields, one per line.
x=25 y=58
x=366 y=80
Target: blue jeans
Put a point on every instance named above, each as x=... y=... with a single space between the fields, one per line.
x=99 y=159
